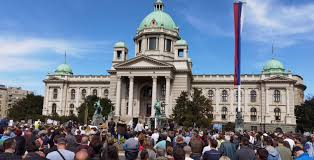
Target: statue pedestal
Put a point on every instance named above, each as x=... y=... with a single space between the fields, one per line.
x=97 y=119
x=239 y=123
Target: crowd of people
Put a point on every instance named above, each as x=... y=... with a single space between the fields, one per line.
x=106 y=142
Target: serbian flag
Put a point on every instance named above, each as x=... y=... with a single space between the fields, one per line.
x=237 y=9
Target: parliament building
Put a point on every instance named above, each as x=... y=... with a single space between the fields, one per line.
x=162 y=68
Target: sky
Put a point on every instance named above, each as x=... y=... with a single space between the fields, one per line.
x=35 y=34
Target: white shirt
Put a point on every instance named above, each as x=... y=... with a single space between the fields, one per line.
x=139 y=127
x=188 y=158
x=155 y=137
x=291 y=143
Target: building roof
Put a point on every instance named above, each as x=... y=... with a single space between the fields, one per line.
x=120 y=44
x=181 y=42
x=273 y=66
x=64 y=69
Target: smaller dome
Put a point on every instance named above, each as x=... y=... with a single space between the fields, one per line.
x=120 y=44
x=273 y=66
x=181 y=42
x=64 y=69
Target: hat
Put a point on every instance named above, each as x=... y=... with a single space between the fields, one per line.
x=296 y=149
x=61 y=140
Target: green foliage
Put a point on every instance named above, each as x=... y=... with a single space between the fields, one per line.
x=90 y=101
x=29 y=107
x=192 y=110
x=304 y=115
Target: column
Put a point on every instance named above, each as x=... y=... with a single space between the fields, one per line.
x=154 y=95
x=266 y=100
x=131 y=86
x=118 y=97
x=168 y=107
x=287 y=99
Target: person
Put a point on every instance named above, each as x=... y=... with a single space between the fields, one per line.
x=111 y=126
x=290 y=140
x=110 y=151
x=179 y=154
x=161 y=154
x=139 y=127
x=245 y=152
x=84 y=145
x=196 y=145
x=148 y=147
x=206 y=148
x=227 y=148
x=131 y=147
x=155 y=136
x=273 y=154
x=285 y=153
x=224 y=158
x=309 y=146
x=61 y=153
x=144 y=155
x=187 y=151
x=9 y=150
x=20 y=143
x=213 y=153
x=261 y=154
x=169 y=151
x=82 y=155
x=161 y=144
x=300 y=154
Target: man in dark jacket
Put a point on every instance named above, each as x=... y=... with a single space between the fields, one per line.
x=9 y=149
x=213 y=153
x=227 y=148
x=20 y=143
x=245 y=152
x=197 y=145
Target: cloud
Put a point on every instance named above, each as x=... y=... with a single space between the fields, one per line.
x=272 y=20
x=21 y=54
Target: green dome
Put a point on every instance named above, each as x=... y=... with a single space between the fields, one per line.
x=64 y=69
x=158 y=18
x=181 y=42
x=273 y=66
x=120 y=45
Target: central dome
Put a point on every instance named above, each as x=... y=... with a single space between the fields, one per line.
x=158 y=18
x=64 y=69
x=273 y=66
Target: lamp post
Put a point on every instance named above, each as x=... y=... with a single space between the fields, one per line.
x=86 y=112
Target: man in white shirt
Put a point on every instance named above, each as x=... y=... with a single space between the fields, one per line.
x=139 y=127
x=61 y=153
x=155 y=136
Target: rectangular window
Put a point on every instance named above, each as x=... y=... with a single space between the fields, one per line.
x=253 y=128
x=223 y=117
x=140 y=46
x=167 y=45
x=152 y=43
x=119 y=54
x=180 y=53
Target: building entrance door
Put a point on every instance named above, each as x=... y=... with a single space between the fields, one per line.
x=146 y=101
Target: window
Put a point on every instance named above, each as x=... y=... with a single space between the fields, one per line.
x=163 y=89
x=147 y=92
x=83 y=93
x=55 y=93
x=253 y=96
x=253 y=114
x=119 y=53
x=167 y=45
x=211 y=95
x=224 y=96
x=73 y=94
x=106 y=93
x=224 y=112
x=277 y=114
x=152 y=43
x=253 y=128
x=95 y=92
x=54 y=109
x=277 y=96
x=148 y=110
x=180 y=53
x=72 y=109
x=140 y=46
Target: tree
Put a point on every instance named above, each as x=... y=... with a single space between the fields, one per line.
x=304 y=115
x=29 y=107
x=193 y=110
x=90 y=101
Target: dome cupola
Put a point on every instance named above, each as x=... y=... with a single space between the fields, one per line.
x=64 y=69
x=273 y=66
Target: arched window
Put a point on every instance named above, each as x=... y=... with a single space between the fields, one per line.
x=237 y=96
x=55 y=93
x=224 y=112
x=253 y=96
x=277 y=114
x=224 y=96
x=72 y=109
x=72 y=93
x=106 y=93
x=253 y=114
x=95 y=92
x=54 y=108
x=277 y=96
x=83 y=94
x=211 y=95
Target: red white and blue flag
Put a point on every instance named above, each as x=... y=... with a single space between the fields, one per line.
x=237 y=9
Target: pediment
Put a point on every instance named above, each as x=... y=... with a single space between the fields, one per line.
x=278 y=78
x=142 y=62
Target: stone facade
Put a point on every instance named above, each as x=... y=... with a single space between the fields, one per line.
x=161 y=69
x=9 y=96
